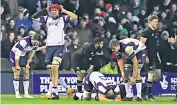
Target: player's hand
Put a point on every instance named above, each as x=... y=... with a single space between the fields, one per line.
x=17 y=67
x=27 y=66
x=48 y=9
x=62 y=9
x=132 y=81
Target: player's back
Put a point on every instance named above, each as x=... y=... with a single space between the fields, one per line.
x=101 y=83
x=135 y=44
x=24 y=45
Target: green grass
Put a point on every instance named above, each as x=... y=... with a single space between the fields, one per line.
x=10 y=99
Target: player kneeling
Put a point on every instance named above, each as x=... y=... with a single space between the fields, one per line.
x=107 y=90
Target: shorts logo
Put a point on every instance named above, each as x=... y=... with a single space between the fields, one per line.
x=164 y=83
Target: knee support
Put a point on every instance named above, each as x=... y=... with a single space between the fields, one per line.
x=56 y=61
x=80 y=75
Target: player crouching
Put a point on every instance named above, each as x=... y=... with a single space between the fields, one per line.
x=107 y=90
x=17 y=60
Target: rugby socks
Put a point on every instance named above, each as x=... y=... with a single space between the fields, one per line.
x=79 y=95
x=131 y=91
x=79 y=86
x=26 y=86
x=149 y=86
x=127 y=88
x=144 y=89
x=55 y=90
x=16 y=86
x=138 y=88
x=93 y=96
x=63 y=83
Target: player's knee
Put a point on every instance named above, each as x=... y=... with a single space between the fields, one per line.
x=80 y=75
x=16 y=73
x=54 y=67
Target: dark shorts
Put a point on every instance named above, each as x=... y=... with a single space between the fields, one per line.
x=87 y=84
x=141 y=57
x=54 y=51
x=22 y=60
x=77 y=63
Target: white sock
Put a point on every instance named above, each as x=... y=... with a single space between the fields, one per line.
x=16 y=86
x=138 y=88
x=131 y=91
x=63 y=83
x=26 y=86
x=127 y=88
x=93 y=96
x=55 y=90
x=79 y=95
x=50 y=88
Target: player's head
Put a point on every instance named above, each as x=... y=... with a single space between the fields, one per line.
x=110 y=94
x=153 y=21
x=98 y=42
x=55 y=10
x=114 y=44
x=34 y=38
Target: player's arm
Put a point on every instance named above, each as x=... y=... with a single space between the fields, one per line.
x=120 y=63
x=102 y=97
x=72 y=15
x=129 y=51
x=144 y=36
x=17 y=57
x=31 y=54
x=38 y=14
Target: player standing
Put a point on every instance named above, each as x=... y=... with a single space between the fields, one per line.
x=55 y=24
x=135 y=52
x=19 y=50
x=149 y=38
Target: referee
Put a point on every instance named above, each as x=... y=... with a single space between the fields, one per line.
x=149 y=38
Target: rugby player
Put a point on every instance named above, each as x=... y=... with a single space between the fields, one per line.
x=106 y=90
x=55 y=23
x=82 y=59
x=149 y=38
x=18 y=61
x=135 y=52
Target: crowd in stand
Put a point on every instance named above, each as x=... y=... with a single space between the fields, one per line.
x=109 y=19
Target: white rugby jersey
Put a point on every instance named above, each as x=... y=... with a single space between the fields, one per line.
x=55 y=30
